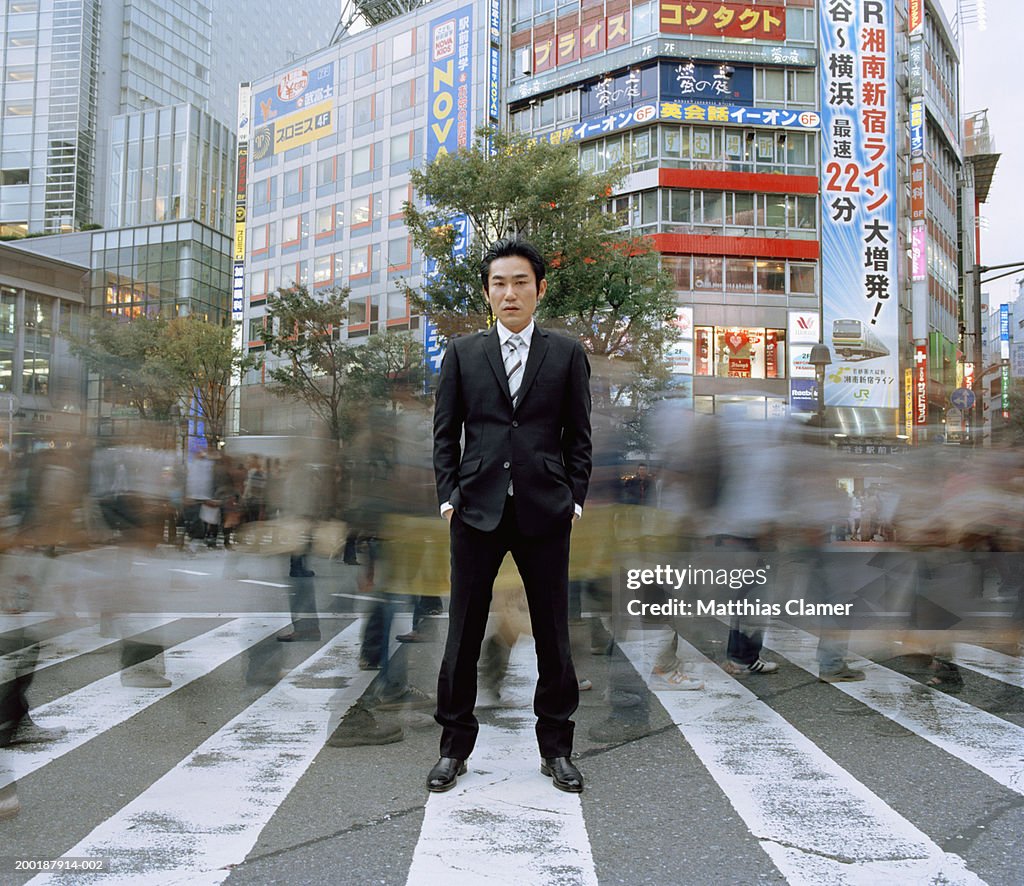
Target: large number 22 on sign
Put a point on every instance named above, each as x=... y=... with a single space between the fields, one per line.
x=835 y=170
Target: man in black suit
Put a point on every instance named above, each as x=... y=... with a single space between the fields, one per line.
x=521 y=397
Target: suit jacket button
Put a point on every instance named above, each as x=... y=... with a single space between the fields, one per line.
x=515 y=424
x=507 y=465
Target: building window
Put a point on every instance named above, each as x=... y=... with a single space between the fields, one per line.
x=256 y=327
x=399 y=253
x=403 y=96
x=293 y=182
x=259 y=239
x=365 y=60
x=739 y=352
x=403 y=45
x=401 y=147
x=329 y=219
x=21 y=40
x=20 y=74
x=294 y=229
x=18 y=108
x=397 y=196
x=13 y=176
x=323 y=270
x=803 y=277
x=326 y=171
x=363 y=110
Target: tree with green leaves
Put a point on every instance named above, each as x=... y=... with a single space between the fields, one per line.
x=605 y=285
x=302 y=332
x=206 y=363
x=127 y=356
x=337 y=379
x=154 y=365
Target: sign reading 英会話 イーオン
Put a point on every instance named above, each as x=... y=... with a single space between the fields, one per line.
x=859 y=235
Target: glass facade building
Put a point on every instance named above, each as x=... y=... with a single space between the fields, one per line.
x=48 y=114
x=171 y=269
x=171 y=163
x=71 y=66
x=42 y=299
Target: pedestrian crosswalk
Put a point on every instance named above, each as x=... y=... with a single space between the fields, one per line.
x=769 y=779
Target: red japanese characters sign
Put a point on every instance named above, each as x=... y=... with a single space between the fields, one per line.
x=920 y=384
x=710 y=19
x=917 y=189
x=575 y=43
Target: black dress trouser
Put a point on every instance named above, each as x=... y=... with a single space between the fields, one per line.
x=543 y=563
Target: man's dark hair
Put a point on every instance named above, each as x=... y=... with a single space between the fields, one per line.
x=507 y=247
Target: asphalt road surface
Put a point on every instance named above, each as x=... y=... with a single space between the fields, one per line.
x=226 y=776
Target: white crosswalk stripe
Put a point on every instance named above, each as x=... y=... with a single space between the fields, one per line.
x=62 y=648
x=992 y=664
x=474 y=833
x=980 y=739
x=768 y=769
x=101 y=705
x=205 y=813
x=241 y=774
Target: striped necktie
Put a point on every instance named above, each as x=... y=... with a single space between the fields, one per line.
x=514 y=367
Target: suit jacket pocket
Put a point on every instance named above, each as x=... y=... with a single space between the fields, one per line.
x=469 y=467
x=557 y=468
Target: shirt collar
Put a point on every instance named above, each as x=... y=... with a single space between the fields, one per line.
x=504 y=333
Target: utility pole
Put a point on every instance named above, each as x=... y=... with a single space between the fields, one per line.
x=976 y=275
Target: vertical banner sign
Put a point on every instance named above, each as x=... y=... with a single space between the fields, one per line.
x=921 y=384
x=494 y=60
x=908 y=402
x=919 y=253
x=915 y=17
x=1004 y=332
x=859 y=238
x=1004 y=375
x=450 y=123
x=451 y=84
x=241 y=186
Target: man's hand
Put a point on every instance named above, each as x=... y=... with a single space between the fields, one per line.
x=448 y=514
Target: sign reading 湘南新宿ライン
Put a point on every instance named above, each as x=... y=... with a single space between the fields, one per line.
x=860 y=252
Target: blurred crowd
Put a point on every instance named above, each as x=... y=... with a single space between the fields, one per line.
x=676 y=483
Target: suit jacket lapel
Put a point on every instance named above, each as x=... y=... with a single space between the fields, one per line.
x=538 y=350
x=492 y=349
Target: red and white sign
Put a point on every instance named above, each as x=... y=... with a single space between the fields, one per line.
x=444 y=40
x=921 y=384
x=684 y=322
x=292 y=84
x=804 y=327
x=915 y=17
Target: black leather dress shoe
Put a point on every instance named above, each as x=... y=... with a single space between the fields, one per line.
x=565 y=776
x=445 y=774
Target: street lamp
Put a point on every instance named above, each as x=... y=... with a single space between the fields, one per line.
x=820 y=357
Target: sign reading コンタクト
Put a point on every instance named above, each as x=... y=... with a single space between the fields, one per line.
x=713 y=19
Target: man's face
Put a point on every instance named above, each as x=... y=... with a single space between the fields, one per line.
x=512 y=291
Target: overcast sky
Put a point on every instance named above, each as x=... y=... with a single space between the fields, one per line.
x=991 y=80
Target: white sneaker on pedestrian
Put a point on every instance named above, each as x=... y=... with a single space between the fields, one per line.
x=739 y=669
x=673 y=681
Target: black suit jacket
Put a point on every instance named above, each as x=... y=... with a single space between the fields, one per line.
x=543 y=446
